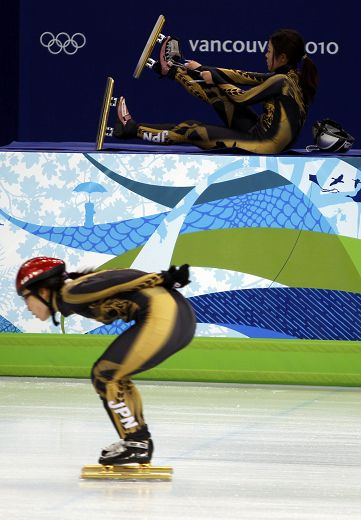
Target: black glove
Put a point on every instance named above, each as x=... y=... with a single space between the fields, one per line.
x=175 y=278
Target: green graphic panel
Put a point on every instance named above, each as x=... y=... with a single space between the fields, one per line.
x=230 y=360
x=293 y=258
x=353 y=248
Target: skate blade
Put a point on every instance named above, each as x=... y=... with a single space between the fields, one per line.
x=127 y=472
x=149 y=46
x=104 y=113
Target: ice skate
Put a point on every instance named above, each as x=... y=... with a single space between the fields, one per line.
x=113 y=447
x=127 y=460
x=108 y=101
x=127 y=472
x=170 y=54
x=170 y=57
x=128 y=452
x=125 y=125
x=155 y=36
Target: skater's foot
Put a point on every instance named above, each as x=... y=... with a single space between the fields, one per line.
x=127 y=452
x=125 y=125
x=123 y=112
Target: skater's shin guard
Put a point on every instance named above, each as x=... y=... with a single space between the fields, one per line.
x=189 y=81
x=110 y=414
x=192 y=132
x=124 y=405
x=151 y=134
x=164 y=136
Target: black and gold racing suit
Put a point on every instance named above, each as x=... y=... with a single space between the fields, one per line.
x=164 y=323
x=271 y=132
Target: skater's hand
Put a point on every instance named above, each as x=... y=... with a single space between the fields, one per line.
x=191 y=64
x=207 y=77
x=175 y=277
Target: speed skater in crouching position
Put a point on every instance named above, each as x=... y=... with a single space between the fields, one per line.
x=285 y=93
x=163 y=324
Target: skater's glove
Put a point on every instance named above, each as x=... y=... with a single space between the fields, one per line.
x=192 y=65
x=175 y=277
x=206 y=75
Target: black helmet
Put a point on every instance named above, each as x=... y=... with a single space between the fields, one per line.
x=330 y=137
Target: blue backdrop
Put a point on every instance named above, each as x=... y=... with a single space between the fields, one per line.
x=60 y=94
x=9 y=57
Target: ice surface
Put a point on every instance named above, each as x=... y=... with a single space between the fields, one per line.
x=238 y=452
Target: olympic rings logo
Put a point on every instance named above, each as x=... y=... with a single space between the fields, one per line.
x=62 y=42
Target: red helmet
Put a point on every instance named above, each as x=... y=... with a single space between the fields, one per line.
x=37 y=269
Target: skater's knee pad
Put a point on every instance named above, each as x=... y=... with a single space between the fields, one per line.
x=97 y=380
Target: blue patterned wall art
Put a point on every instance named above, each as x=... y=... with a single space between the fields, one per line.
x=147 y=210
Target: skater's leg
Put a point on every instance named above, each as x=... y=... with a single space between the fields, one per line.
x=207 y=137
x=197 y=133
x=123 y=404
x=208 y=93
x=126 y=128
x=180 y=133
x=232 y=114
x=241 y=119
x=171 y=64
x=169 y=326
x=120 y=397
x=197 y=89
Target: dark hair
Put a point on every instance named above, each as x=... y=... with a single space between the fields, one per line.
x=56 y=282
x=290 y=42
x=79 y=274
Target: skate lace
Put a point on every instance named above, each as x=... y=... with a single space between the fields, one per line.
x=116 y=446
x=172 y=50
x=137 y=444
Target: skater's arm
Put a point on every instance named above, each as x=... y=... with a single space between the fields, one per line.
x=104 y=284
x=218 y=75
x=238 y=77
x=271 y=87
